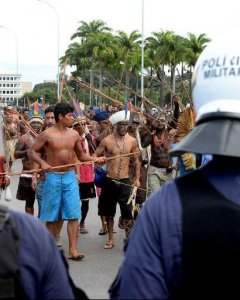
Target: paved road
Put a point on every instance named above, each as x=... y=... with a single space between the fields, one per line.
x=95 y=274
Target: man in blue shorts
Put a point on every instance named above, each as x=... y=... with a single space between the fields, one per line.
x=61 y=145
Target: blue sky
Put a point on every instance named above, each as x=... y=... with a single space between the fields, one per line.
x=35 y=26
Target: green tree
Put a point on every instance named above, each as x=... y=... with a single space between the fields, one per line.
x=195 y=45
x=83 y=32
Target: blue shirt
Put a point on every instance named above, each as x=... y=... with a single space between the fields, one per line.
x=152 y=262
x=43 y=274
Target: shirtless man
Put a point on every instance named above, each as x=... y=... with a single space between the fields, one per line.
x=61 y=145
x=117 y=187
x=25 y=191
x=161 y=140
x=22 y=128
x=10 y=135
x=38 y=183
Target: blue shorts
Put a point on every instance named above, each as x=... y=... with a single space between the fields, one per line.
x=39 y=194
x=61 y=198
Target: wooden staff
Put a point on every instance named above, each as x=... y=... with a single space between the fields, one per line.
x=66 y=166
x=83 y=84
x=185 y=89
x=167 y=86
x=62 y=81
x=26 y=123
x=124 y=66
x=96 y=91
x=151 y=103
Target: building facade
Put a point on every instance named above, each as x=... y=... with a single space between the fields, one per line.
x=12 y=88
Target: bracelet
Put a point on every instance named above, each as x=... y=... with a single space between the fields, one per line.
x=7 y=176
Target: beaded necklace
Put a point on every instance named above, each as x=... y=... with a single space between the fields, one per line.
x=158 y=142
x=121 y=149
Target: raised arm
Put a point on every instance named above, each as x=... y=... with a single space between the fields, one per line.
x=176 y=112
x=146 y=140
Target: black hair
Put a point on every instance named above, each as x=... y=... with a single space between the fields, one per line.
x=63 y=109
x=49 y=109
x=25 y=109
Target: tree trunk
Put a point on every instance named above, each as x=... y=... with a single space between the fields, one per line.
x=161 y=87
x=100 y=83
x=173 y=79
x=190 y=82
x=83 y=90
x=91 y=81
x=127 y=85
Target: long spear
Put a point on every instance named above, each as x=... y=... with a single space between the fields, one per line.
x=119 y=104
x=68 y=165
x=89 y=87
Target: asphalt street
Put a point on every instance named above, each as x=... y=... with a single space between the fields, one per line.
x=97 y=271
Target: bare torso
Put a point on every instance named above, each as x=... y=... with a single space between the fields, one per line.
x=59 y=148
x=160 y=157
x=25 y=142
x=118 y=168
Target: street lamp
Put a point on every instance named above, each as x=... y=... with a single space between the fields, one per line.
x=57 y=17
x=16 y=39
x=142 y=60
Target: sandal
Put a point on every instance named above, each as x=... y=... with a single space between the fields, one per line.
x=83 y=230
x=109 y=246
x=79 y=256
x=102 y=232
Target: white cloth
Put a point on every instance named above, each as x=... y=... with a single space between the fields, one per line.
x=119 y=117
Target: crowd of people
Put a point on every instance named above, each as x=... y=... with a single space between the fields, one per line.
x=114 y=143
x=182 y=243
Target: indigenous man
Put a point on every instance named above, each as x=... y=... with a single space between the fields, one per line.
x=117 y=187
x=25 y=191
x=22 y=128
x=61 y=145
x=161 y=140
x=10 y=135
x=38 y=183
x=105 y=129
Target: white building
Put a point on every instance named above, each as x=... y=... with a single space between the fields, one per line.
x=10 y=87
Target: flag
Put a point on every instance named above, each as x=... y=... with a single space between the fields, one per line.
x=36 y=110
x=77 y=112
x=126 y=109
x=130 y=106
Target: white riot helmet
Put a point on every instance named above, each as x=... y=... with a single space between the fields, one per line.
x=216 y=100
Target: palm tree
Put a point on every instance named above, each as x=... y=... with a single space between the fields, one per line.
x=103 y=50
x=127 y=44
x=95 y=26
x=76 y=57
x=83 y=32
x=195 y=45
x=158 y=59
